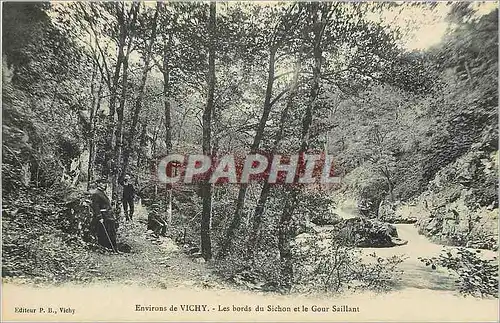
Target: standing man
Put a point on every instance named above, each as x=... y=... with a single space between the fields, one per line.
x=129 y=193
x=104 y=220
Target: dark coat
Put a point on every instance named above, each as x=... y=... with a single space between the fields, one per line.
x=129 y=192
x=101 y=206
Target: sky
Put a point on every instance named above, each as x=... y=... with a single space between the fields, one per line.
x=425 y=27
x=430 y=25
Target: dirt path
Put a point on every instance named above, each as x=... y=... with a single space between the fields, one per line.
x=153 y=262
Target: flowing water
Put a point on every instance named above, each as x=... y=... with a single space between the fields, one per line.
x=416 y=274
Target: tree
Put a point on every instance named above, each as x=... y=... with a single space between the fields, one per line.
x=206 y=187
x=266 y=187
x=278 y=38
x=128 y=27
x=107 y=26
x=140 y=95
x=331 y=32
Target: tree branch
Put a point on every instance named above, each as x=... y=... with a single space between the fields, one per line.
x=278 y=97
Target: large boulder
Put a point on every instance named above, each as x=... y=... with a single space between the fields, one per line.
x=357 y=231
x=326 y=219
x=369 y=233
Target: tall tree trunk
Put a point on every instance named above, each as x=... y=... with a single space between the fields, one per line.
x=111 y=136
x=206 y=188
x=257 y=220
x=140 y=95
x=266 y=188
x=143 y=142
x=168 y=123
x=92 y=144
x=166 y=96
x=112 y=79
x=286 y=230
x=240 y=202
x=168 y=115
x=390 y=185
x=121 y=109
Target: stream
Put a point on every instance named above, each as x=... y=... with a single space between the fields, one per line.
x=416 y=274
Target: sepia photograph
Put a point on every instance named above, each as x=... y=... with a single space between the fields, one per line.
x=250 y=161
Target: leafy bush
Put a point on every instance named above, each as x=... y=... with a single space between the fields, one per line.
x=260 y=272
x=43 y=235
x=259 y=269
x=315 y=205
x=380 y=274
x=329 y=261
x=476 y=276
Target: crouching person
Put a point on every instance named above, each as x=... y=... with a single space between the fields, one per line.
x=104 y=222
x=156 y=223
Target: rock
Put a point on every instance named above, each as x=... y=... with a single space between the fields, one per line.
x=326 y=219
x=196 y=255
x=399 y=242
x=359 y=231
x=169 y=245
x=434 y=226
x=369 y=233
x=400 y=219
x=303 y=237
x=390 y=213
x=249 y=279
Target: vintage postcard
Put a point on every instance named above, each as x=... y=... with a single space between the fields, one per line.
x=249 y=161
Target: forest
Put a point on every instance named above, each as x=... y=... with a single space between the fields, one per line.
x=100 y=90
